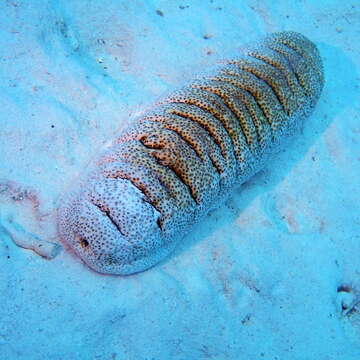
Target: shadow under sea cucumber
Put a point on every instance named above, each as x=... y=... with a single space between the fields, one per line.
x=183 y=157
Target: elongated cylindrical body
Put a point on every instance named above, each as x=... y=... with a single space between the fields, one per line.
x=183 y=157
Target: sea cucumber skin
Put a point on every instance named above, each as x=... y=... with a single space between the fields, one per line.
x=182 y=158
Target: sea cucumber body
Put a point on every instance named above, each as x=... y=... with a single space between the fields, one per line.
x=183 y=157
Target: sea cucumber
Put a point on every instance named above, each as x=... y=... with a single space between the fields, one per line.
x=182 y=158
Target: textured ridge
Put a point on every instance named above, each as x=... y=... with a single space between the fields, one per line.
x=181 y=158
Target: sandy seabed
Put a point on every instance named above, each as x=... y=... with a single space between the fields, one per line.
x=273 y=274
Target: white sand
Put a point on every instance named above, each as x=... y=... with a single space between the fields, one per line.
x=273 y=274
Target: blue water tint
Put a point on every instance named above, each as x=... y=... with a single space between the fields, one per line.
x=272 y=274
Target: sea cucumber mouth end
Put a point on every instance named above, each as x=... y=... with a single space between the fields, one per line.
x=96 y=227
